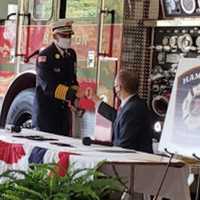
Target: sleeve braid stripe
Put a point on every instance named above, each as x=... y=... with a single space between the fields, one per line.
x=61 y=91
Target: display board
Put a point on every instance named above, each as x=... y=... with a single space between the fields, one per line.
x=171 y=44
x=181 y=131
x=180 y=8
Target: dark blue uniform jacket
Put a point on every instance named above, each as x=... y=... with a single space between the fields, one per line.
x=50 y=114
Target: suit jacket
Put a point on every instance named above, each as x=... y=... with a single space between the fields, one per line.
x=131 y=126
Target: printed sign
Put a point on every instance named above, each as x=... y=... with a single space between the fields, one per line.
x=91 y=59
x=181 y=131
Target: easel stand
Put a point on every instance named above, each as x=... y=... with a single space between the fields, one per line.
x=198 y=179
x=164 y=175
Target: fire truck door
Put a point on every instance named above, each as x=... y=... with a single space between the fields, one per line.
x=108 y=46
x=107 y=60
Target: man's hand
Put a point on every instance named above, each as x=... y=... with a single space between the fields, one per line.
x=91 y=94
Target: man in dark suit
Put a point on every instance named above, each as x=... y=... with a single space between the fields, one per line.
x=56 y=82
x=131 y=124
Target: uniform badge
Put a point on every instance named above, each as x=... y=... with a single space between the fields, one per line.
x=42 y=59
x=57 y=56
x=57 y=69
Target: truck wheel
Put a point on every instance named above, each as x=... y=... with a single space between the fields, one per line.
x=20 y=112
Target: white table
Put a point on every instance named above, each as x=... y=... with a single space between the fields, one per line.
x=142 y=171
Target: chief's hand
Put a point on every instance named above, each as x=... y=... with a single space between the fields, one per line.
x=91 y=94
x=80 y=93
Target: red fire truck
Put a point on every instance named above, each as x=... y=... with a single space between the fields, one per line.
x=25 y=29
x=143 y=36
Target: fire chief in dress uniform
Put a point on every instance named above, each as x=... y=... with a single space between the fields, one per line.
x=56 y=82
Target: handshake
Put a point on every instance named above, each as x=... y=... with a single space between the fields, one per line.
x=87 y=93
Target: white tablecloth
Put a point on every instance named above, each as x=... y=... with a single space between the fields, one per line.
x=142 y=172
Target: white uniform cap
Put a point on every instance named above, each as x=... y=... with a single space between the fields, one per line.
x=62 y=26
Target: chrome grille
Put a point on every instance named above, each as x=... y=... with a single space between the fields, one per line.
x=141 y=9
x=136 y=54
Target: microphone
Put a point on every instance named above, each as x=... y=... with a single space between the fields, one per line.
x=88 y=141
x=13 y=128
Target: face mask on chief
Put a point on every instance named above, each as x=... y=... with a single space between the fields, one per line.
x=64 y=43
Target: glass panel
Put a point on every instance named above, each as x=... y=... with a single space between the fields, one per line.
x=7 y=44
x=7 y=7
x=112 y=26
x=117 y=6
x=42 y=9
x=12 y=8
x=108 y=68
x=82 y=9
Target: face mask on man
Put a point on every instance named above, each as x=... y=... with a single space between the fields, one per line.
x=64 y=43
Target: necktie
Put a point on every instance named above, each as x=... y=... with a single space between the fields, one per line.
x=119 y=110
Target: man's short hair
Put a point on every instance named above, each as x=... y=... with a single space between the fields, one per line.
x=128 y=80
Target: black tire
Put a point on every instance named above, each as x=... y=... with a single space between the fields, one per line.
x=20 y=112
